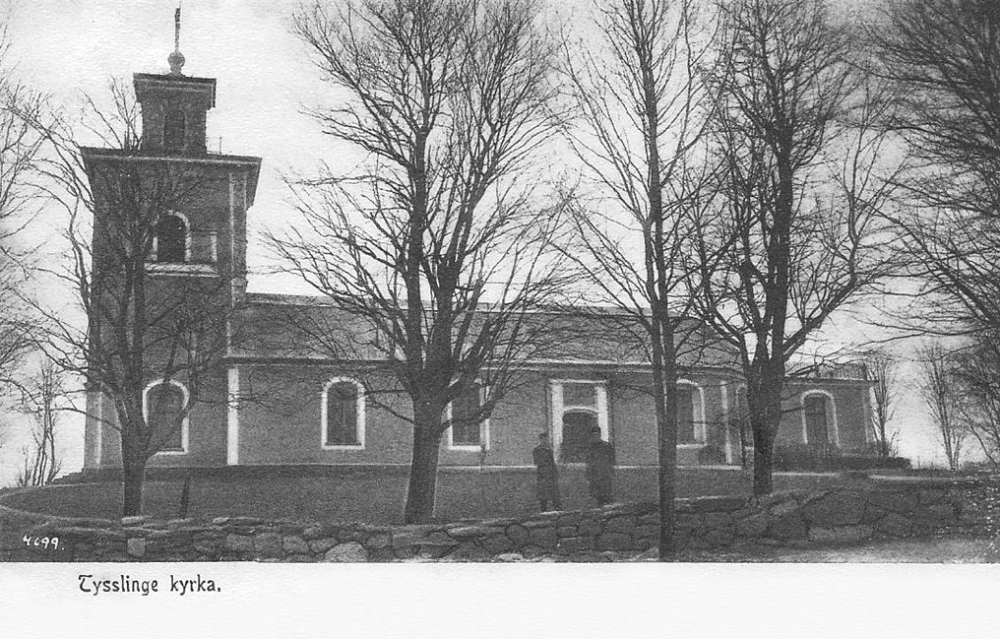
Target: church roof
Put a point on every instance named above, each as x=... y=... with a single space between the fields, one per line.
x=275 y=327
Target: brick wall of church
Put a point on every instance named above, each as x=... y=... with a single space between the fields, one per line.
x=280 y=420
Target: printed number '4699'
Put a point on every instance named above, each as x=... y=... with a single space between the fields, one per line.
x=41 y=542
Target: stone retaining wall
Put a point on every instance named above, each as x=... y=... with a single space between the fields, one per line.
x=836 y=516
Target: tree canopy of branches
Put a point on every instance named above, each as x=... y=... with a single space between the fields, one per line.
x=641 y=124
x=798 y=224
x=977 y=374
x=19 y=150
x=136 y=327
x=940 y=390
x=944 y=58
x=436 y=243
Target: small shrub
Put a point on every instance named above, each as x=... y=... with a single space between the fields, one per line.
x=827 y=458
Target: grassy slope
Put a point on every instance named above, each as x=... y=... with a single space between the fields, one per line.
x=461 y=494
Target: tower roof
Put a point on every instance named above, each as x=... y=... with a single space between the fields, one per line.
x=151 y=83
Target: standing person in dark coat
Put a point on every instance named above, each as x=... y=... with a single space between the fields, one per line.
x=547 y=477
x=600 y=468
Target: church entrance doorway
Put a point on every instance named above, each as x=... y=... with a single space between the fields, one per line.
x=576 y=427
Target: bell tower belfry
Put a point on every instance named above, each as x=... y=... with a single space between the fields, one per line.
x=186 y=210
x=174 y=106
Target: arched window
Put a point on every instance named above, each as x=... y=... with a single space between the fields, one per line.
x=819 y=418
x=690 y=423
x=467 y=431
x=171 y=239
x=174 y=124
x=685 y=415
x=343 y=414
x=165 y=410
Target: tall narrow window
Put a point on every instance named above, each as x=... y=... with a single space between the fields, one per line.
x=173 y=130
x=817 y=431
x=685 y=415
x=171 y=240
x=342 y=414
x=466 y=429
x=165 y=415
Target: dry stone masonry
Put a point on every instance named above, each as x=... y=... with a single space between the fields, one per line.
x=829 y=517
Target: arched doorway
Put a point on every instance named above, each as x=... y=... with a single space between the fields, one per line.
x=576 y=428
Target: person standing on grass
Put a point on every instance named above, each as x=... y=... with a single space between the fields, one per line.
x=600 y=468
x=547 y=479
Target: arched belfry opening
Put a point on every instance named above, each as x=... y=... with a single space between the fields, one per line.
x=171 y=240
x=174 y=129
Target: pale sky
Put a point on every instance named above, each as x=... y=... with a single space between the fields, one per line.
x=69 y=47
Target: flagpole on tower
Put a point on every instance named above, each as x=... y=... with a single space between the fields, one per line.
x=177 y=28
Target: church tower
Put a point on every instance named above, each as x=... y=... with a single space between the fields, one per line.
x=177 y=213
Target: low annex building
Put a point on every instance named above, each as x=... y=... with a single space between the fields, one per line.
x=280 y=396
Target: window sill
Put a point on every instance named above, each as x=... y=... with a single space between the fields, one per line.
x=168 y=268
x=170 y=452
x=471 y=448
x=343 y=446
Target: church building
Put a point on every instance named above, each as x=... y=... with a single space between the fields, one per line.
x=277 y=398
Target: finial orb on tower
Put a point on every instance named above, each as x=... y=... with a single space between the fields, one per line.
x=176 y=59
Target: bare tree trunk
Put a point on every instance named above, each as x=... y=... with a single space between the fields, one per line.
x=763 y=463
x=422 y=488
x=133 y=475
x=665 y=399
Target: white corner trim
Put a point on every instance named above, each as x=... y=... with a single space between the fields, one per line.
x=360 y=415
x=99 y=438
x=233 y=418
x=727 y=420
x=184 y=423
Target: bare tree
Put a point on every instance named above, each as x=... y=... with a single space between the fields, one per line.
x=798 y=222
x=435 y=244
x=944 y=58
x=19 y=150
x=881 y=371
x=41 y=461
x=940 y=391
x=641 y=126
x=975 y=371
x=131 y=326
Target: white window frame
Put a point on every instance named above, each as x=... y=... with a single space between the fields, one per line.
x=484 y=427
x=698 y=408
x=600 y=408
x=185 y=424
x=187 y=237
x=832 y=428
x=359 y=425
